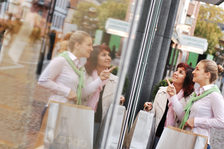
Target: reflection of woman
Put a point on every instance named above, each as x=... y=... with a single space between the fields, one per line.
x=64 y=76
x=204 y=110
x=100 y=101
x=165 y=115
x=98 y=61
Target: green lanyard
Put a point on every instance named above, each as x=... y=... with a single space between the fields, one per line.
x=80 y=72
x=192 y=100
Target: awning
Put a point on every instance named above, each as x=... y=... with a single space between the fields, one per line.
x=192 y=44
x=117 y=27
x=174 y=37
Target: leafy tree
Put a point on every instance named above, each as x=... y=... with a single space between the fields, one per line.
x=83 y=16
x=112 y=9
x=206 y=27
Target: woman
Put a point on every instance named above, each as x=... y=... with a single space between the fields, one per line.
x=64 y=76
x=165 y=116
x=205 y=109
x=101 y=100
x=99 y=61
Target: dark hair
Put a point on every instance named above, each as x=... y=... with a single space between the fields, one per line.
x=92 y=60
x=188 y=85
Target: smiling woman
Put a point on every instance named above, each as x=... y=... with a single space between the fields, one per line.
x=101 y=100
x=98 y=62
x=180 y=89
x=204 y=110
x=80 y=44
x=60 y=78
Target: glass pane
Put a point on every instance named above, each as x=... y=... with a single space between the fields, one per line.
x=150 y=29
x=144 y=48
x=48 y=43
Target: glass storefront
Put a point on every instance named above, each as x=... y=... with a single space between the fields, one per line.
x=36 y=36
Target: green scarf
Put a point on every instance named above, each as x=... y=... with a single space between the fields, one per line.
x=192 y=100
x=80 y=72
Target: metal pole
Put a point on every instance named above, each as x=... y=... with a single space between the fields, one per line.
x=43 y=42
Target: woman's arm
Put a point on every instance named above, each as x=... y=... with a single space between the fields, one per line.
x=177 y=106
x=175 y=103
x=158 y=100
x=91 y=87
x=50 y=74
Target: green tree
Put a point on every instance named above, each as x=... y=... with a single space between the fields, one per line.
x=84 y=18
x=112 y=9
x=109 y=9
x=207 y=25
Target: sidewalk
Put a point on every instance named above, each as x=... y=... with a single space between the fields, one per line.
x=21 y=101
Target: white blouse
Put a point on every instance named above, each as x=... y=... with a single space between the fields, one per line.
x=60 y=78
x=208 y=112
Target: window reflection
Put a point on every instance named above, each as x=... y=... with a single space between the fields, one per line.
x=32 y=34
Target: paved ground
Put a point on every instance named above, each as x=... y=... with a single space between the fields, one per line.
x=21 y=101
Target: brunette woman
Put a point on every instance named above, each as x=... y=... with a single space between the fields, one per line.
x=164 y=112
x=99 y=61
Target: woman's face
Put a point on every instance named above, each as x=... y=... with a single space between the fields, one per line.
x=104 y=59
x=199 y=74
x=179 y=76
x=85 y=48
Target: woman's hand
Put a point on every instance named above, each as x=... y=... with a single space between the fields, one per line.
x=170 y=89
x=190 y=123
x=72 y=96
x=105 y=74
x=122 y=100
x=148 y=106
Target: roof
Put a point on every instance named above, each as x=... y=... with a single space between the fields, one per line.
x=215 y=2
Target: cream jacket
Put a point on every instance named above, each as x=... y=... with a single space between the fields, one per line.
x=108 y=93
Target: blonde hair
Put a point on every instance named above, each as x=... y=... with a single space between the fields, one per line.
x=213 y=68
x=77 y=37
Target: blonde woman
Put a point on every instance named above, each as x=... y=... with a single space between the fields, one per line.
x=204 y=110
x=65 y=75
